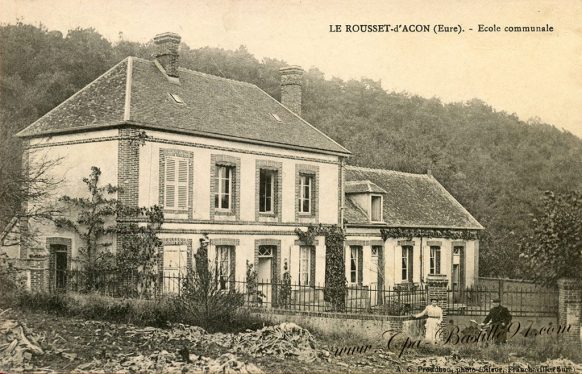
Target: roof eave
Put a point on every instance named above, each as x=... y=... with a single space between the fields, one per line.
x=408 y=226
x=177 y=131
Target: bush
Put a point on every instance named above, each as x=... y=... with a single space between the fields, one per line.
x=205 y=298
x=93 y=306
x=58 y=303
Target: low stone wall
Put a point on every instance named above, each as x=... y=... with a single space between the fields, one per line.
x=364 y=326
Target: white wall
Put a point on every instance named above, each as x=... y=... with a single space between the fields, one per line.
x=75 y=164
x=393 y=259
x=149 y=175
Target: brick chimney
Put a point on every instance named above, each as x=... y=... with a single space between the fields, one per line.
x=167 y=52
x=291 y=77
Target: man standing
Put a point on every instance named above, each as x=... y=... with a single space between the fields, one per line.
x=500 y=318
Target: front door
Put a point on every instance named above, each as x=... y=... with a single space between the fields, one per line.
x=175 y=267
x=59 y=270
x=458 y=275
x=265 y=272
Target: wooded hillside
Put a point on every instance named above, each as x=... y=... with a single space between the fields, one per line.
x=495 y=164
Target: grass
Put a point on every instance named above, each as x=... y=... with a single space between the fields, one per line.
x=156 y=313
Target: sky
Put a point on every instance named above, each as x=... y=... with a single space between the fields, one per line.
x=534 y=75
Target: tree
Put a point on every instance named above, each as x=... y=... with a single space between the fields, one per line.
x=137 y=262
x=93 y=218
x=96 y=219
x=553 y=249
x=27 y=196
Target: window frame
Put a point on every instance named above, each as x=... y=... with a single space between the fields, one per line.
x=407 y=265
x=219 y=193
x=357 y=271
x=272 y=191
x=381 y=208
x=217 y=209
x=305 y=254
x=303 y=174
x=435 y=257
x=302 y=198
x=225 y=281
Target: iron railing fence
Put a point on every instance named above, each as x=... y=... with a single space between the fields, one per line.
x=369 y=299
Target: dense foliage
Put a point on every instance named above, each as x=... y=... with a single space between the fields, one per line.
x=495 y=164
x=96 y=219
x=335 y=280
x=553 y=250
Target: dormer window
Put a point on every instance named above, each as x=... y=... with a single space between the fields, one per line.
x=376 y=208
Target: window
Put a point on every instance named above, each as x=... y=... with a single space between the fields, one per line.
x=267 y=180
x=376 y=208
x=176 y=183
x=305 y=253
x=224 y=179
x=435 y=260
x=407 y=251
x=265 y=251
x=224 y=270
x=355 y=264
x=305 y=193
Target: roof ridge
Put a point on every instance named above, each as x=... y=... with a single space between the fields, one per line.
x=196 y=72
x=386 y=171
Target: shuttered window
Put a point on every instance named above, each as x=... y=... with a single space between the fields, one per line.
x=176 y=183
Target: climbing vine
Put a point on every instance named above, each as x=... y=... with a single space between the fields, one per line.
x=335 y=279
x=409 y=233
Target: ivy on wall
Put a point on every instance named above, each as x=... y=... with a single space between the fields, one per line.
x=409 y=233
x=335 y=279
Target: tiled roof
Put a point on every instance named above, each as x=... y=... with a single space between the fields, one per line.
x=212 y=106
x=411 y=200
x=362 y=187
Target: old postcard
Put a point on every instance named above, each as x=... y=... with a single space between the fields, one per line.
x=290 y=186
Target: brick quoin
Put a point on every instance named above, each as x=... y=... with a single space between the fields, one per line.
x=570 y=308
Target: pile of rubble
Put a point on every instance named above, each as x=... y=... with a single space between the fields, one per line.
x=16 y=348
x=177 y=332
x=283 y=340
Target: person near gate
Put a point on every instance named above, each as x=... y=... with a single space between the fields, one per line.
x=499 y=317
x=433 y=322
